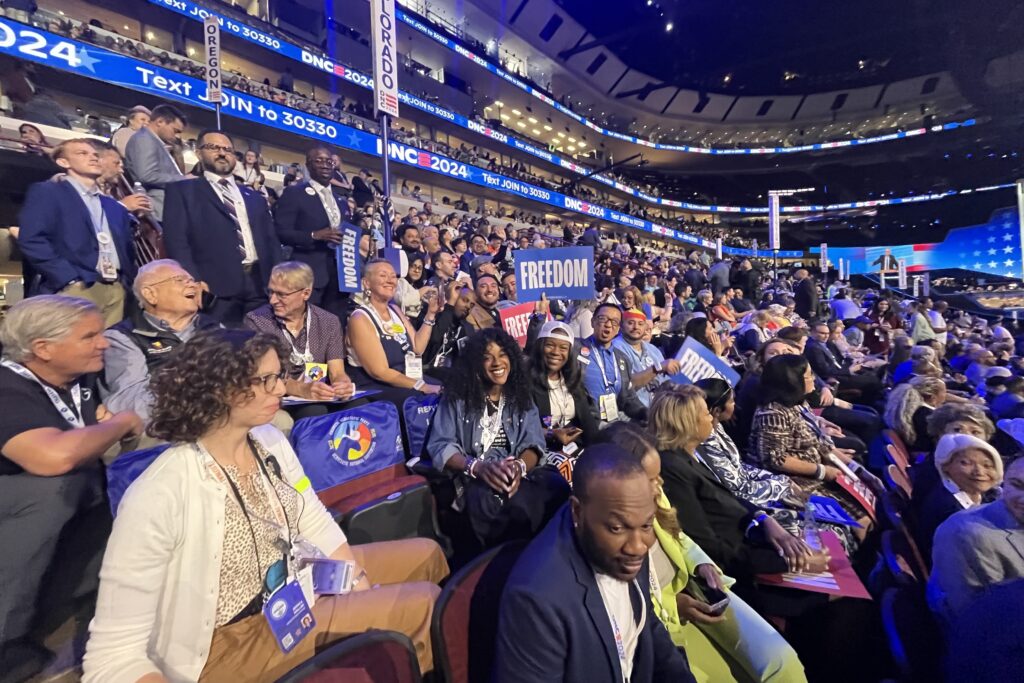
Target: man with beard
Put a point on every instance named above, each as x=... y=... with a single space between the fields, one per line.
x=648 y=367
x=484 y=313
x=308 y=217
x=450 y=329
x=222 y=234
x=590 y=619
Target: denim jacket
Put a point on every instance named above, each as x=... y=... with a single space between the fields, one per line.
x=456 y=432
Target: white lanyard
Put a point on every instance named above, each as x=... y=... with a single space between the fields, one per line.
x=563 y=402
x=75 y=420
x=273 y=499
x=620 y=645
x=298 y=358
x=608 y=384
x=491 y=424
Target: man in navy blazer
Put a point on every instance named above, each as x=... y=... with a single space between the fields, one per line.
x=307 y=218
x=75 y=240
x=576 y=607
x=221 y=233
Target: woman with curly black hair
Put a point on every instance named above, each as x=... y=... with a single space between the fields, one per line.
x=205 y=539
x=487 y=435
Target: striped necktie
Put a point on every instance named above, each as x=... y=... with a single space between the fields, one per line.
x=229 y=204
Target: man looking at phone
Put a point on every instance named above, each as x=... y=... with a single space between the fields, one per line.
x=648 y=367
x=594 y=599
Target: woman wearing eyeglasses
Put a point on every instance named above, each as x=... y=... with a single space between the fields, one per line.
x=206 y=535
x=316 y=367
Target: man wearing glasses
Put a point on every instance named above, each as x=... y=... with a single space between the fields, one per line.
x=308 y=217
x=169 y=298
x=221 y=234
x=606 y=370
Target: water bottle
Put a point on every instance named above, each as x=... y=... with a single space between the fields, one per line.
x=812 y=537
x=137 y=188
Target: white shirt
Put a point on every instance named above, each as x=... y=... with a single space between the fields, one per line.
x=937 y=321
x=160 y=579
x=563 y=406
x=617 y=602
x=243 y=216
x=326 y=196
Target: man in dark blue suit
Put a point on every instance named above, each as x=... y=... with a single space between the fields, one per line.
x=221 y=233
x=75 y=240
x=576 y=608
x=307 y=218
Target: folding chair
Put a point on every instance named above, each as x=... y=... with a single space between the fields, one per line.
x=895 y=450
x=465 y=622
x=371 y=657
x=898 y=482
x=913 y=635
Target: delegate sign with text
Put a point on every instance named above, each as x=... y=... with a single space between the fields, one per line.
x=697 y=362
x=562 y=273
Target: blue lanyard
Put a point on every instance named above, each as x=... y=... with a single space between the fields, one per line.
x=608 y=383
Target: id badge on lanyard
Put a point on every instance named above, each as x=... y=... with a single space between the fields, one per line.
x=288 y=615
x=413 y=366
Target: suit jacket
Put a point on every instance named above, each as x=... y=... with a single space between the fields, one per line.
x=715 y=518
x=59 y=242
x=553 y=625
x=822 y=362
x=147 y=160
x=201 y=235
x=805 y=295
x=748 y=281
x=974 y=549
x=362 y=193
x=718 y=276
x=297 y=214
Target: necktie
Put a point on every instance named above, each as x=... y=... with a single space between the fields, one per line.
x=331 y=206
x=229 y=204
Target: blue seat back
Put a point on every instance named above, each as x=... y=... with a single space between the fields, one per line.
x=418 y=412
x=126 y=469
x=349 y=444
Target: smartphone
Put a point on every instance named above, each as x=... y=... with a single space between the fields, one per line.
x=698 y=589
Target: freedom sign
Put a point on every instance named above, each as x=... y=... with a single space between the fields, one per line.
x=350 y=261
x=516 y=321
x=560 y=273
x=697 y=362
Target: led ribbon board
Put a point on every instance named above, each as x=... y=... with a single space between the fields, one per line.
x=324 y=63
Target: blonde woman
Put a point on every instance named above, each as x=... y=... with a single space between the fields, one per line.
x=716 y=645
x=908 y=408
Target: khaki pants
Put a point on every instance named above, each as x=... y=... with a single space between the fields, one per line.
x=108 y=297
x=408 y=572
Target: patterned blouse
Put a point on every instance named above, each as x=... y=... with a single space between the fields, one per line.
x=749 y=482
x=241 y=576
x=779 y=432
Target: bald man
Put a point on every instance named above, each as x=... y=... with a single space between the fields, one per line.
x=170 y=316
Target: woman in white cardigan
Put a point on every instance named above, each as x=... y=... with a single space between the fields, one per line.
x=200 y=537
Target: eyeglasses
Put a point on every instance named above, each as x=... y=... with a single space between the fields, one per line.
x=180 y=280
x=269 y=381
x=271 y=293
x=217 y=148
x=605 y=320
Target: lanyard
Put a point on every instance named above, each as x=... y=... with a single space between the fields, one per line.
x=74 y=418
x=608 y=384
x=394 y=330
x=299 y=358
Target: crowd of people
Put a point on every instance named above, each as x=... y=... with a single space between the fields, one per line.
x=41 y=107
x=653 y=505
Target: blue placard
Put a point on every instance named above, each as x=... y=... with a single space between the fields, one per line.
x=829 y=510
x=350 y=261
x=697 y=362
x=561 y=273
